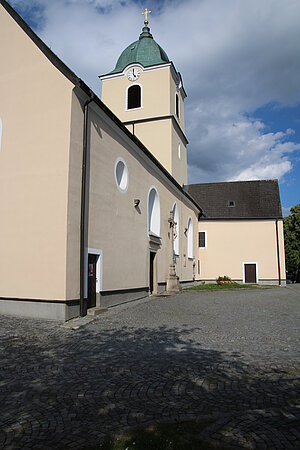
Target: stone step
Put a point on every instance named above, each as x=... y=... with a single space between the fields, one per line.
x=96 y=311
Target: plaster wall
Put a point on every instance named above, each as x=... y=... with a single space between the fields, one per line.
x=115 y=226
x=173 y=91
x=35 y=108
x=179 y=165
x=156 y=136
x=158 y=100
x=155 y=94
x=234 y=242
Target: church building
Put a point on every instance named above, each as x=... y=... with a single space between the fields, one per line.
x=95 y=205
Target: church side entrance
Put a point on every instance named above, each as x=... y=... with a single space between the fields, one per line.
x=92 y=262
x=152 y=274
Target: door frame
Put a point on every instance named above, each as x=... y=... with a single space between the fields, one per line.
x=99 y=270
x=92 y=280
x=154 y=271
x=256 y=270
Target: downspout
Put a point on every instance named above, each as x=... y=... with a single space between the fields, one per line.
x=278 y=255
x=83 y=205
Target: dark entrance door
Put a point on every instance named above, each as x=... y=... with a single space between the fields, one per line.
x=92 y=281
x=250 y=273
x=151 y=275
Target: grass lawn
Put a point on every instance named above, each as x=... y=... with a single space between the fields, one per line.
x=215 y=287
x=175 y=436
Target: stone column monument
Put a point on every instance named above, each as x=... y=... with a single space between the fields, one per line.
x=173 y=280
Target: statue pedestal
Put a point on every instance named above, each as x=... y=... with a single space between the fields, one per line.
x=173 y=281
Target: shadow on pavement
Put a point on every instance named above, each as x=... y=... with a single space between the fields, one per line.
x=63 y=389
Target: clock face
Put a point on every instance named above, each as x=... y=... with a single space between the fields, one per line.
x=133 y=74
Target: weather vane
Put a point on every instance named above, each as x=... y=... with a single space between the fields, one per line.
x=145 y=13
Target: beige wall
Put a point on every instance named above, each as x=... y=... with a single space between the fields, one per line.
x=115 y=226
x=74 y=199
x=161 y=138
x=156 y=136
x=35 y=107
x=232 y=243
x=173 y=87
x=158 y=100
x=179 y=165
x=40 y=185
x=155 y=94
x=158 y=95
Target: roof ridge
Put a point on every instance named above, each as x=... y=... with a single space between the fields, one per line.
x=234 y=182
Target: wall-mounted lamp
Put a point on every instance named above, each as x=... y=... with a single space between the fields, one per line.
x=136 y=202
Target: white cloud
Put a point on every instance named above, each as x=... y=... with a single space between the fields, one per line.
x=238 y=148
x=286 y=211
x=234 y=56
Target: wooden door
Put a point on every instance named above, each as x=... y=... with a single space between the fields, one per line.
x=250 y=273
x=92 y=281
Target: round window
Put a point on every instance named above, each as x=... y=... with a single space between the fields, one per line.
x=121 y=175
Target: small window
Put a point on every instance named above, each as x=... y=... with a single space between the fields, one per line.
x=202 y=239
x=121 y=175
x=231 y=203
x=134 y=97
x=179 y=151
x=177 y=105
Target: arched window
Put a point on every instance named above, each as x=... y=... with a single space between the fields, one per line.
x=0 y=132
x=177 y=112
x=134 y=97
x=153 y=212
x=176 y=219
x=190 y=239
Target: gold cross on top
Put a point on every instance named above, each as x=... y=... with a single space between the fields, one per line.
x=145 y=13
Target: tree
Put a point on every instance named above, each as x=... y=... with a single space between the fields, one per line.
x=292 y=242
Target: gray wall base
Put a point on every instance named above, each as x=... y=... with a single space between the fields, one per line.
x=161 y=287
x=271 y=282
x=115 y=298
x=39 y=310
x=189 y=283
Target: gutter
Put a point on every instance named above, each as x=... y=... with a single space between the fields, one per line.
x=278 y=254
x=83 y=306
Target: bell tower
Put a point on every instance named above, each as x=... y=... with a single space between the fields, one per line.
x=146 y=92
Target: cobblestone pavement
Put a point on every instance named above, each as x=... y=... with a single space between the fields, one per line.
x=230 y=355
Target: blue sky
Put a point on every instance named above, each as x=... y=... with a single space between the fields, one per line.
x=240 y=63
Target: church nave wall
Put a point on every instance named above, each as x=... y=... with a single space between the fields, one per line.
x=35 y=108
x=116 y=226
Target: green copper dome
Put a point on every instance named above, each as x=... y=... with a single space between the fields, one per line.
x=144 y=51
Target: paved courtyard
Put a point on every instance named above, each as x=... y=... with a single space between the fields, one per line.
x=230 y=355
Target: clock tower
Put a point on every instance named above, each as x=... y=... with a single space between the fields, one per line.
x=146 y=92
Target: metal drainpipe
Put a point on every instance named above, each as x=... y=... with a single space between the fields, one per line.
x=83 y=206
x=278 y=255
